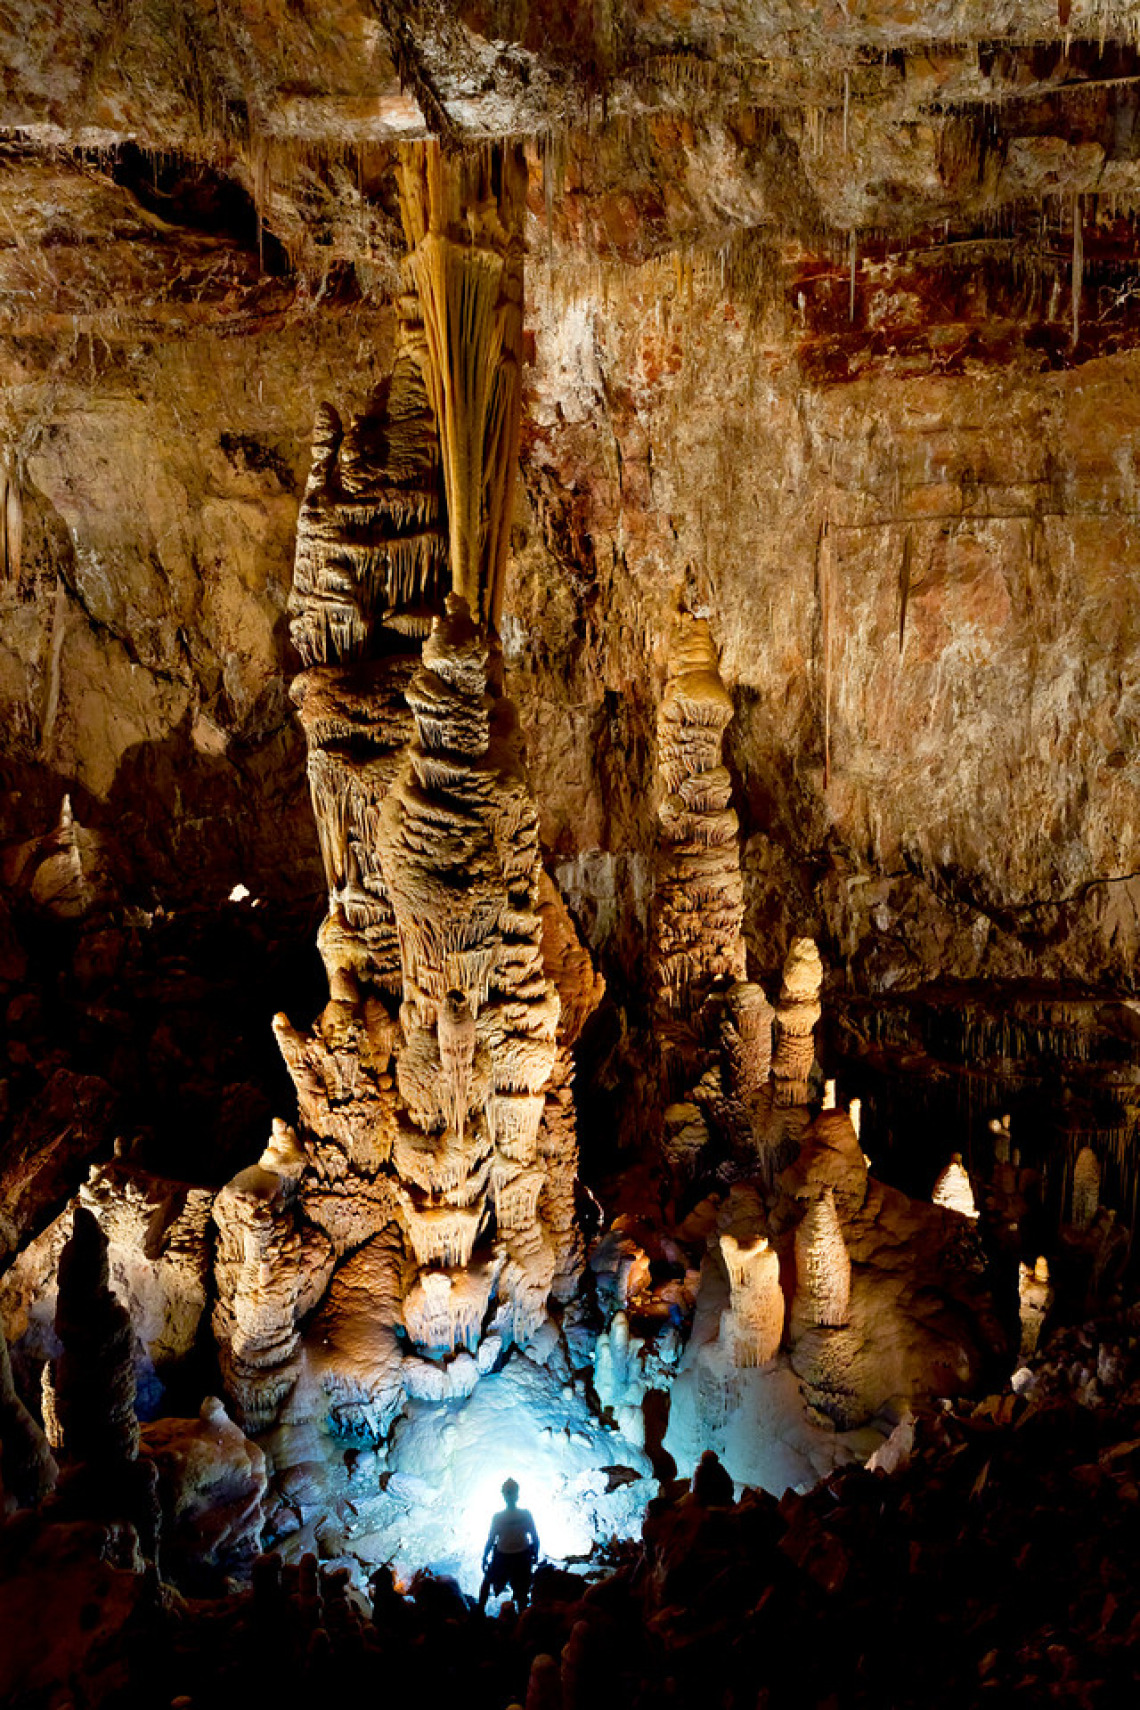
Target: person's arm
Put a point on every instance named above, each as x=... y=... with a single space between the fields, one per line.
x=489 y=1546
x=530 y=1526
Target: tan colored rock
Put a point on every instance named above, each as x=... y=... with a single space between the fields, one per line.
x=746 y=1040
x=158 y=1253
x=797 y=1012
x=1035 y=1295
x=27 y=1466
x=756 y=1316
x=954 y=1191
x=699 y=897
x=270 y=1271
x=823 y=1268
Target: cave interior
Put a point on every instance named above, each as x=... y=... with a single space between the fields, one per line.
x=569 y=852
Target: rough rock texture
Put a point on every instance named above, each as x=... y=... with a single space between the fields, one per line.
x=159 y=1263
x=698 y=897
x=211 y=1482
x=27 y=1467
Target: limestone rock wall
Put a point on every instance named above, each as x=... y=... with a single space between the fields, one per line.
x=932 y=693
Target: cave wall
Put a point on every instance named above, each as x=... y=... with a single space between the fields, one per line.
x=921 y=576
x=923 y=586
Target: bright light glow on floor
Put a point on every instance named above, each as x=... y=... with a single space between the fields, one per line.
x=446 y=1467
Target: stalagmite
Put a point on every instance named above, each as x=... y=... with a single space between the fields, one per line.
x=797 y=1012
x=370 y=570
x=426 y=1200
x=580 y=989
x=685 y=1138
x=953 y=1189
x=459 y=845
x=1086 y=1187
x=94 y=1377
x=699 y=901
x=746 y=1040
x=756 y=1316
x=27 y=1466
x=269 y=1273
x=823 y=1268
x=1035 y=1292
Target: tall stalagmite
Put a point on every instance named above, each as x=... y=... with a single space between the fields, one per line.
x=427 y=1196
x=699 y=904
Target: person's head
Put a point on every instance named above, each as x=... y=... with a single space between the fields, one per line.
x=510 y=1492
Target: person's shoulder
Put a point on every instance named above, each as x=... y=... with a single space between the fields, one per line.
x=525 y=1514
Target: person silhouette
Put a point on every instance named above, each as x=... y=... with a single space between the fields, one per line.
x=511 y=1550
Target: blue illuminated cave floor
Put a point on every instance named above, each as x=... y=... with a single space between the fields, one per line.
x=426 y=1499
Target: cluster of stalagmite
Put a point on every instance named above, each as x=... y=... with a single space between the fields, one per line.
x=699 y=901
x=1035 y=1296
x=425 y=1206
x=756 y=1313
x=370 y=570
x=797 y=1012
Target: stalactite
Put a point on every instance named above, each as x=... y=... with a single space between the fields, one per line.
x=463 y=219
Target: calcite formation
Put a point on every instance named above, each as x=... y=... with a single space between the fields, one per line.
x=459 y=841
x=953 y=1189
x=797 y=1012
x=823 y=1268
x=699 y=896
x=1035 y=1295
x=27 y=1466
x=1086 y=1188
x=463 y=219
x=93 y=1382
x=426 y=1202
x=158 y=1252
x=757 y=1310
x=270 y=1270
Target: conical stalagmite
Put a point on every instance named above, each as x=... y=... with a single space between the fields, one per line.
x=823 y=1268
x=94 y=1377
x=953 y=1189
